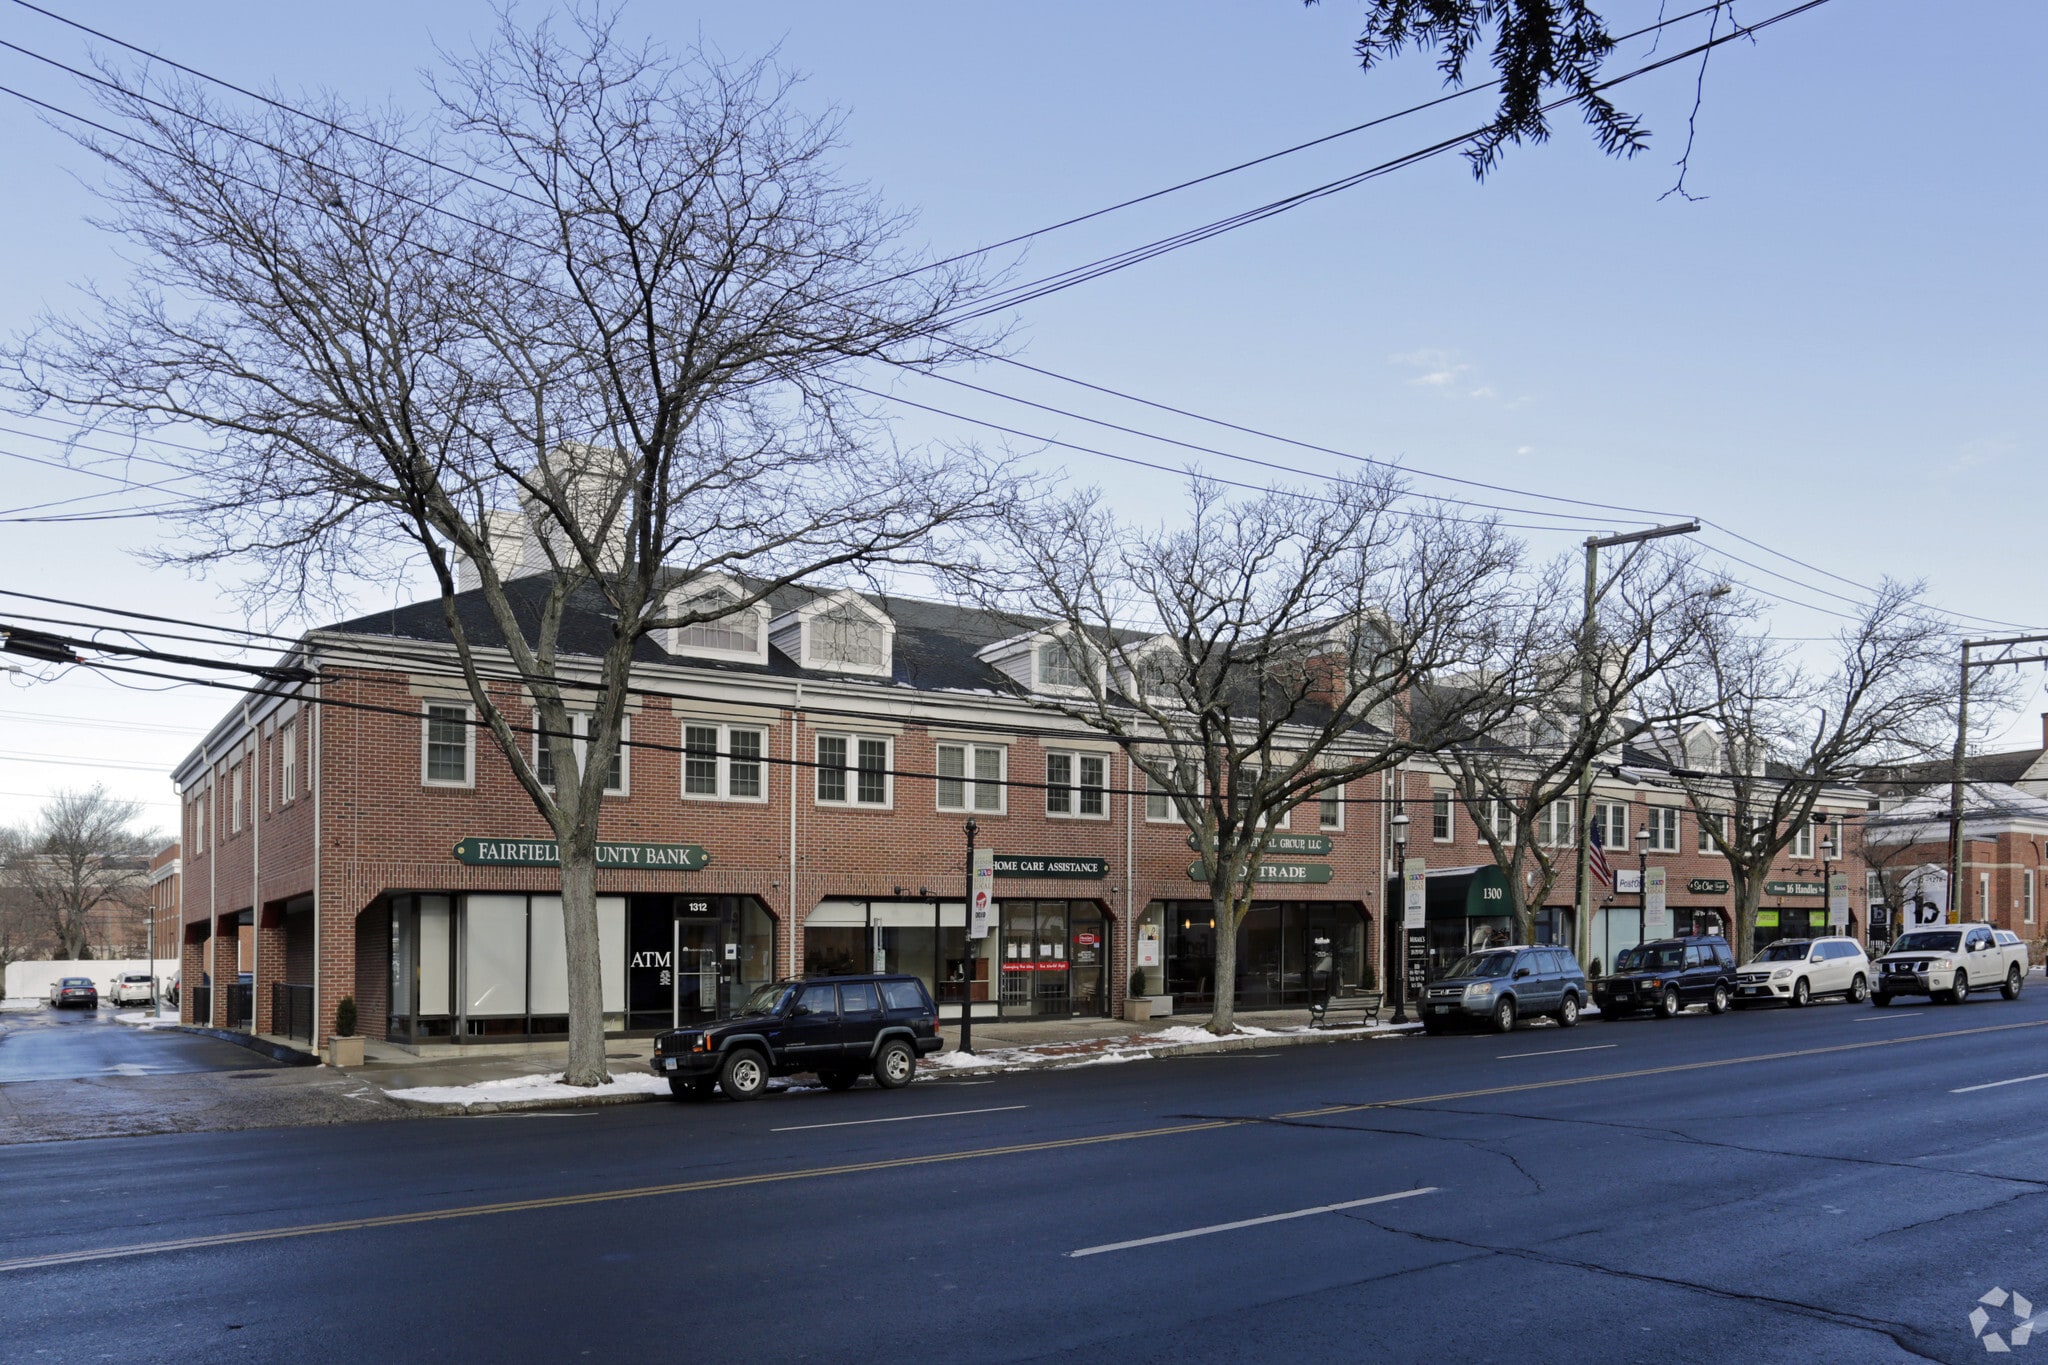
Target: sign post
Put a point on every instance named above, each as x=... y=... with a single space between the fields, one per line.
x=981 y=880
x=1838 y=901
x=1415 y=922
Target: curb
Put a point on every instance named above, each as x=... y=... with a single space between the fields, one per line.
x=1238 y=1043
x=1134 y=1049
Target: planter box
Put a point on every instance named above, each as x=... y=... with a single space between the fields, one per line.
x=1162 y=1005
x=344 y=1052
x=1137 y=1008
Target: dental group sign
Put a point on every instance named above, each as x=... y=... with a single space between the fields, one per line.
x=547 y=853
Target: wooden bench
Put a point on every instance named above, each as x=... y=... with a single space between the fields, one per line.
x=1365 y=1004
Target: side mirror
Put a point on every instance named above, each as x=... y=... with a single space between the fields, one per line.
x=1521 y=972
x=799 y=1011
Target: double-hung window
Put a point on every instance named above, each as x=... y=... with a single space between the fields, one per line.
x=2027 y=895
x=579 y=725
x=1158 y=804
x=447 y=759
x=723 y=762
x=1709 y=824
x=235 y=799
x=1611 y=819
x=1662 y=822
x=1440 y=808
x=1802 y=840
x=288 y=762
x=1331 y=812
x=1555 y=827
x=971 y=777
x=1500 y=818
x=853 y=770
x=1074 y=784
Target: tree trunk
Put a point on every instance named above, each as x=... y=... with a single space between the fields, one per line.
x=585 y=959
x=1223 y=1016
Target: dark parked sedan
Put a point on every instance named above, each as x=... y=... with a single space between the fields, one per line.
x=75 y=990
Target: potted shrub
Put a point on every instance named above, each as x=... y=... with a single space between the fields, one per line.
x=345 y=1048
x=1137 y=1005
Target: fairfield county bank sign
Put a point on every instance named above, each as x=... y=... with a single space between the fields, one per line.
x=547 y=853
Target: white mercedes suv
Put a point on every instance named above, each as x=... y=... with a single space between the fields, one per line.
x=1949 y=962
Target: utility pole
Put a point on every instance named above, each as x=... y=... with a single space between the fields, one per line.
x=1582 y=931
x=2003 y=656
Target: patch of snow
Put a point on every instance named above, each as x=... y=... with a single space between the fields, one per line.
x=145 y=1019
x=21 y=1004
x=546 y=1086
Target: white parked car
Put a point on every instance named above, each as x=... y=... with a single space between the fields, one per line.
x=130 y=988
x=1949 y=962
x=1794 y=971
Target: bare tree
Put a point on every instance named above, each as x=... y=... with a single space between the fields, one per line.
x=1267 y=653
x=1783 y=733
x=599 y=317
x=79 y=860
x=1518 y=783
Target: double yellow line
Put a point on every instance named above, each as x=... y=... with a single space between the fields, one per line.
x=564 y=1201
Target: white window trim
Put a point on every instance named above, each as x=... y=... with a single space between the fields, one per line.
x=1075 y=787
x=1546 y=824
x=1335 y=793
x=1802 y=841
x=1616 y=832
x=579 y=724
x=2027 y=895
x=724 y=761
x=238 y=795
x=803 y=617
x=852 y=770
x=690 y=597
x=1496 y=809
x=468 y=743
x=288 y=762
x=1665 y=824
x=1450 y=804
x=968 y=783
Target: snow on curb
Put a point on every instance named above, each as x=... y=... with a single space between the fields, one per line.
x=1177 y=1041
x=544 y=1086
x=21 y=1004
x=144 y=1019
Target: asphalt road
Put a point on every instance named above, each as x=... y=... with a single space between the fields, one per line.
x=1827 y=1184
x=62 y=1045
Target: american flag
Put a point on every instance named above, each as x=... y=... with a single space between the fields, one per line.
x=1596 y=856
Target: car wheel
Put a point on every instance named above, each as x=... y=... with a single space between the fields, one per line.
x=1504 y=1016
x=1802 y=994
x=690 y=1087
x=744 y=1075
x=1668 y=1004
x=838 y=1080
x=1433 y=1028
x=1858 y=989
x=2011 y=989
x=1961 y=990
x=1880 y=999
x=1718 y=1004
x=1568 y=1012
x=895 y=1065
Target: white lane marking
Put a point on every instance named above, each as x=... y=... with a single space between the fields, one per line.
x=901 y=1118
x=1891 y=1018
x=1556 y=1051
x=1993 y=1085
x=1252 y=1222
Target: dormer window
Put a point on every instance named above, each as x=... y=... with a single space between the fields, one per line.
x=1056 y=666
x=740 y=634
x=842 y=633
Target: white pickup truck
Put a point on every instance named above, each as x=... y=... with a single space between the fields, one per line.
x=1949 y=962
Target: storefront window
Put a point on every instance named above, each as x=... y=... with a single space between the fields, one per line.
x=1287 y=952
x=1151 y=947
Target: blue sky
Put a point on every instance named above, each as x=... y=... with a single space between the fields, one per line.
x=1836 y=353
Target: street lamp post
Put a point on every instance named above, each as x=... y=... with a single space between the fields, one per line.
x=1830 y=849
x=967 y=949
x=1642 y=882
x=1397 y=960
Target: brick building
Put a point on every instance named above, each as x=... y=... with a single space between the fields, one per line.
x=165 y=918
x=2003 y=853
x=792 y=797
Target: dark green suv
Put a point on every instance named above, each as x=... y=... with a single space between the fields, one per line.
x=840 y=1027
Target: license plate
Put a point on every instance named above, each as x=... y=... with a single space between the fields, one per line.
x=669 y=1063
x=1441 y=1009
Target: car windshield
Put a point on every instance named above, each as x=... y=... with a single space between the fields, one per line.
x=1484 y=964
x=766 y=999
x=1933 y=941
x=76 y=981
x=1650 y=958
x=1785 y=952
